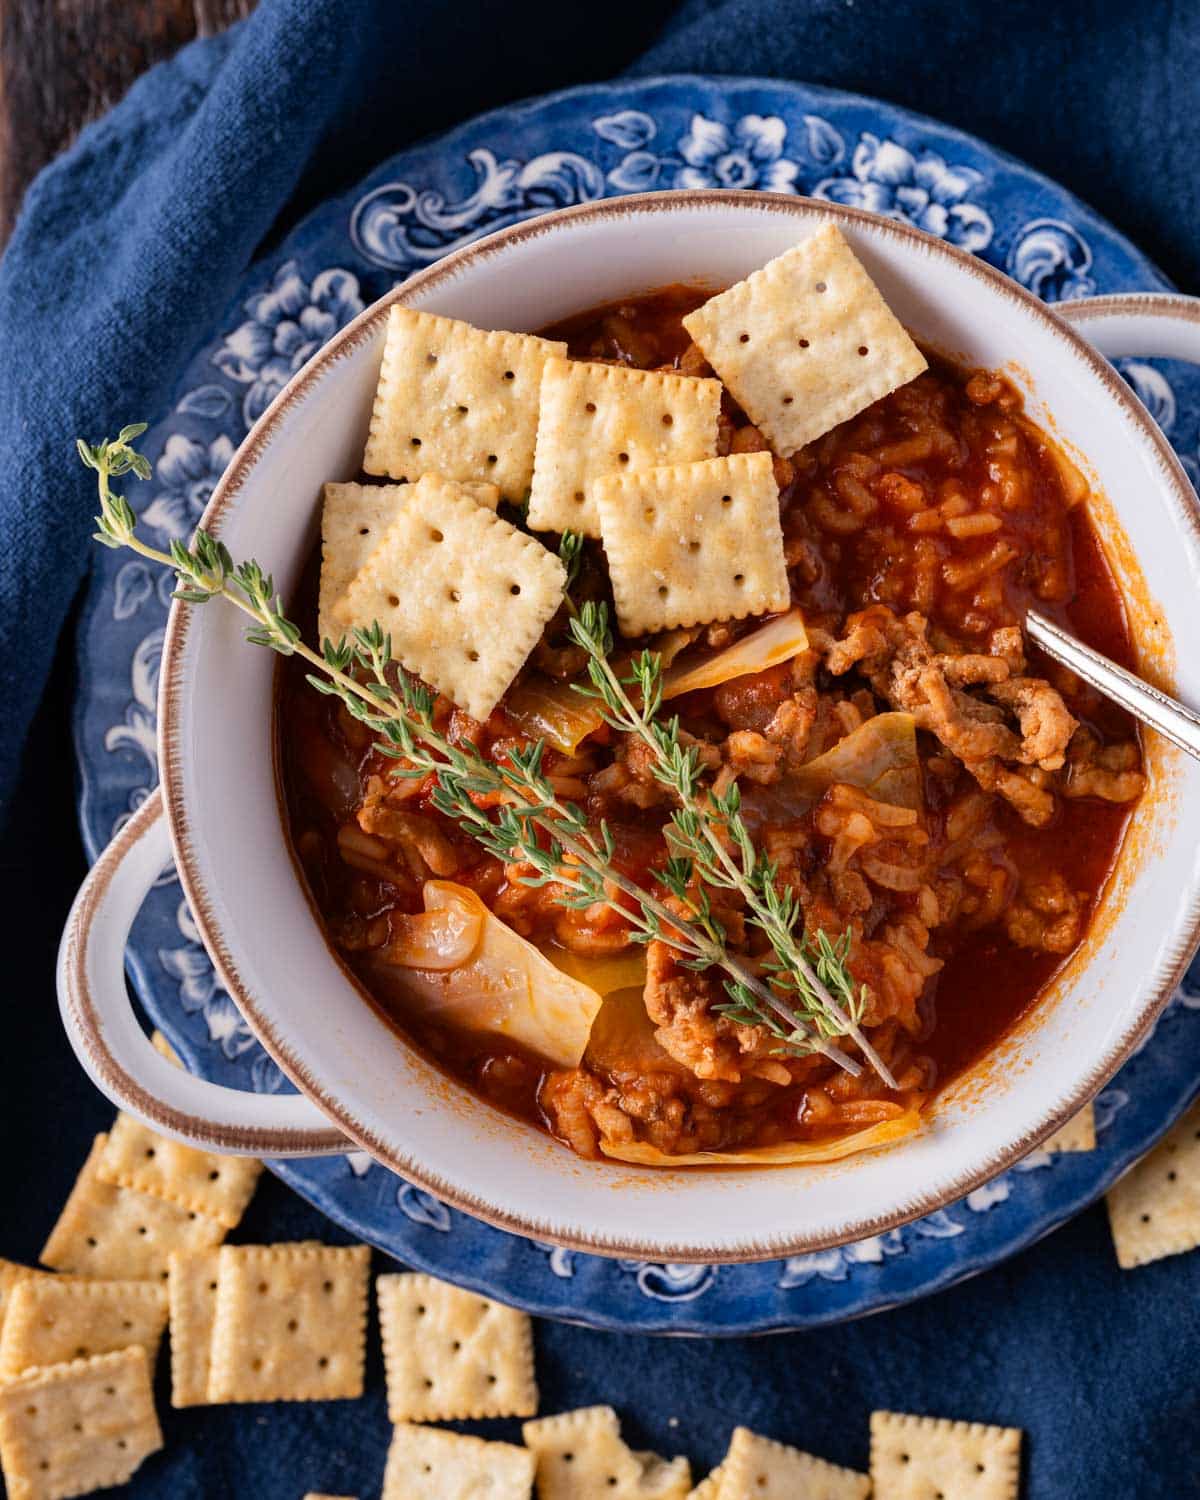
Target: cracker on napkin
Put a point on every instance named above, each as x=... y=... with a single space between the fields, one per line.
x=1077 y=1134
x=290 y=1323
x=424 y=1463
x=134 y=1156
x=913 y=1458
x=192 y=1301
x=1154 y=1210
x=74 y=1428
x=758 y=1468
x=581 y=1456
x=450 y=1353
x=52 y=1321
x=110 y=1231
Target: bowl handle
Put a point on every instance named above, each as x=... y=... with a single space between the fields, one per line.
x=112 y=1047
x=1154 y=325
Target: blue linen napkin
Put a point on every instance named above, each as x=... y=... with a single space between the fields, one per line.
x=127 y=252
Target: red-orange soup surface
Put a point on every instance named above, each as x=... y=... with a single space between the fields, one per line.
x=916 y=535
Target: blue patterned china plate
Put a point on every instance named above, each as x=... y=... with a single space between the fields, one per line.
x=510 y=165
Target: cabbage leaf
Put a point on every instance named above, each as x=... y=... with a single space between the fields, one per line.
x=775 y=642
x=786 y=1153
x=505 y=986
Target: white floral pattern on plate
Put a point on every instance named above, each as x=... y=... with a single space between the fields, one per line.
x=186 y=475
x=575 y=148
x=284 y=327
x=917 y=187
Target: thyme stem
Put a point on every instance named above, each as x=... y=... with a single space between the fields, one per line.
x=577 y=861
x=705 y=826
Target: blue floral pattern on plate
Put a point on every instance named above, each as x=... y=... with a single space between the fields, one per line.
x=570 y=148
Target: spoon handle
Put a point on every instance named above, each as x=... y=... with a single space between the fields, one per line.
x=1170 y=718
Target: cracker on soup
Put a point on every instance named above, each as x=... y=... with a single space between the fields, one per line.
x=456 y=401
x=806 y=342
x=605 y=419
x=355 y=519
x=693 y=542
x=853 y=659
x=462 y=593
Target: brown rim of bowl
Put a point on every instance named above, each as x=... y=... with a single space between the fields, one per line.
x=1178 y=955
x=1123 y=304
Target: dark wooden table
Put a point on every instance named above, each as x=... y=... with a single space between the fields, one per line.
x=64 y=62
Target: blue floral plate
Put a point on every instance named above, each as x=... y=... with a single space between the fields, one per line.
x=513 y=164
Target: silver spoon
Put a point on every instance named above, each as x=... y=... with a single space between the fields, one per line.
x=1170 y=718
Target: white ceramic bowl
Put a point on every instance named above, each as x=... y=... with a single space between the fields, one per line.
x=358 y=1078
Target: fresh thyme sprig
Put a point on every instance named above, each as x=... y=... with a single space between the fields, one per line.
x=714 y=847
x=529 y=824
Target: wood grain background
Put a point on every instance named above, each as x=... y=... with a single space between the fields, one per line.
x=64 y=62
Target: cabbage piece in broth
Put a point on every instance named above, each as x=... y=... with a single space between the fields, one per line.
x=771 y=644
x=503 y=986
x=880 y=756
